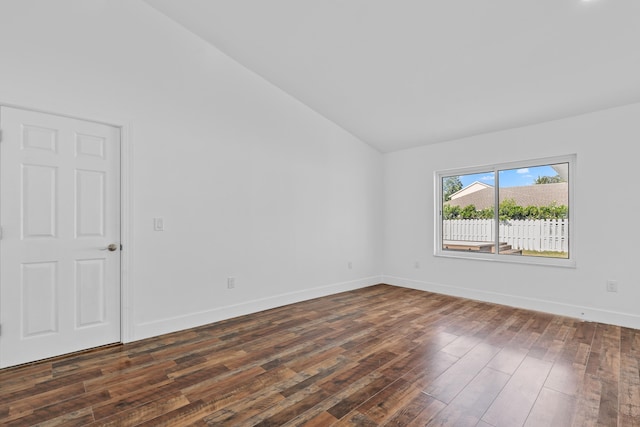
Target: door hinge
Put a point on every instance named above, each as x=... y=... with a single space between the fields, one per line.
x=120 y=246
x=0 y=135
x=0 y=233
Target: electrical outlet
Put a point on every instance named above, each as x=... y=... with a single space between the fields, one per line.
x=158 y=224
x=417 y=264
x=349 y=265
x=231 y=282
x=612 y=286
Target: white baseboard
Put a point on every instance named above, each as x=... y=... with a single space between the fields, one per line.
x=585 y=313
x=192 y=320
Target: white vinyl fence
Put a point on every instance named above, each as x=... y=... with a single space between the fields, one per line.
x=532 y=235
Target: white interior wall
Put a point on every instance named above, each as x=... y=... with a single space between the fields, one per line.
x=606 y=228
x=254 y=185
x=250 y=183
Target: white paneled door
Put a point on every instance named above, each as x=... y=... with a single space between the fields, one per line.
x=60 y=243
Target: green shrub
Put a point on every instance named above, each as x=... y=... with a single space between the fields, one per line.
x=508 y=210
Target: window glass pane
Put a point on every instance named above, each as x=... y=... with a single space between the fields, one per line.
x=468 y=204
x=533 y=212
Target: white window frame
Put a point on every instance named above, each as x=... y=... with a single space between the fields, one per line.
x=495 y=168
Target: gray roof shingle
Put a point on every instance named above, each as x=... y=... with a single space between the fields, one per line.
x=529 y=195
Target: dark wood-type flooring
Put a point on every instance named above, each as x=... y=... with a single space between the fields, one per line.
x=381 y=355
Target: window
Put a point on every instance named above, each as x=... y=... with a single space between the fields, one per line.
x=512 y=212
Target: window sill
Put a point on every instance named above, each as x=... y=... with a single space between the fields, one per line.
x=512 y=259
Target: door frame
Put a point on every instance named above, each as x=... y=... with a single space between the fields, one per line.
x=127 y=332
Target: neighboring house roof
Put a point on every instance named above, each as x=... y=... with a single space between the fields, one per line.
x=528 y=195
x=471 y=188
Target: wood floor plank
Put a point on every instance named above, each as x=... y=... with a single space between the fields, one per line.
x=507 y=360
x=316 y=373
x=323 y=419
x=26 y=405
x=241 y=397
x=552 y=408
x=219 y=385
x=238 y=412
x=428 y=369
x=59 y=409
x=566 y=378
x=467 y=408
x=410 y=410
x=133 y=399
x=461 y=345
x=630 y=375
x=380 y=355
x=310 y=397
x=390 y=402
x=513 y=404
x=458 y=376
x=429 y=411
x=588 y=403
x=80 y=418
x=608 y=411
x=604 y=358
x=179 y=414
x=362 y=368
x=123 y=382
x=356 y=419
x=20 y=378
x=355 y=399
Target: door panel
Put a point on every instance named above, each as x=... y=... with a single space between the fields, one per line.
x=39 y=287
x=38 y=194
x=59 y=210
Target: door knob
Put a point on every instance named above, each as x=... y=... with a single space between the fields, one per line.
x=112 y=247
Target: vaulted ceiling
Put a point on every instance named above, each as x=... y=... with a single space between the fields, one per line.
x=403 y=73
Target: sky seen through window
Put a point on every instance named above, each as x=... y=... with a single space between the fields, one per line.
x=510 y=177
